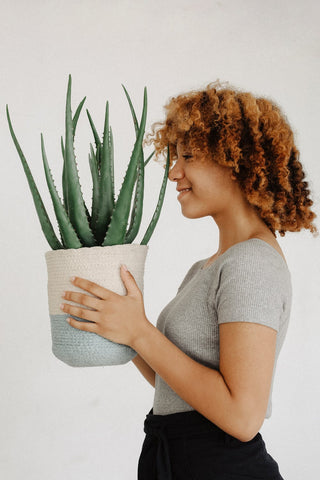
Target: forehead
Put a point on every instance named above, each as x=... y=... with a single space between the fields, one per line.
x=198 y=157
x=182 y=146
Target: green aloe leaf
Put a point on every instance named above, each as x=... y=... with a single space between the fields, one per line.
x=64 y=175
x=106 y=183
x=112 y=164
x=133 y=113
x=68 y=234
x=136 y=125
x=77 y=209
x=64 y=180
x=95 y=163
x=137 y=207
x=76 y=116
x=46 y=225
x=117 y=229
x=149 y=158
x=94 y=130
x=95 y=186
x=157 y=212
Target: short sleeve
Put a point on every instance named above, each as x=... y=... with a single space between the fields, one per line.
x=250 y=290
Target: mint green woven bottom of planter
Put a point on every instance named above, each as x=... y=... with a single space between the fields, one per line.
x=100 y=265
x=82 y=349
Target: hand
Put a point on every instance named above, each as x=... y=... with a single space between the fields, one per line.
x=118 y=318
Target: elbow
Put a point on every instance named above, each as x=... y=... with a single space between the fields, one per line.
x=247 y=435
x=250 y=425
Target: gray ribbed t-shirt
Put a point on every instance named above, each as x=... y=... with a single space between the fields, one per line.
x=249 y=282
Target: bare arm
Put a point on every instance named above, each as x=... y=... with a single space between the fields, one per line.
x=145 y=369
x=235 y=398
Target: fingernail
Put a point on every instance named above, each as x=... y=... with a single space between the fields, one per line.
x=124 y=267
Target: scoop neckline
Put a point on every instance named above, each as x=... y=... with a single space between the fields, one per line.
x=238 y=243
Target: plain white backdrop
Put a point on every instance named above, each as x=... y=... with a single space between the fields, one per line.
x=64 y=423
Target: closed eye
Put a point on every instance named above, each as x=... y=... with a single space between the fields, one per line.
x=174 y=160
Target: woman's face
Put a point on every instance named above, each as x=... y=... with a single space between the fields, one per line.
x=212 y=189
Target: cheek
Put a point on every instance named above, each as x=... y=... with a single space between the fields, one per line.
x=211 y=186
x=215 y=191
x=220 y=182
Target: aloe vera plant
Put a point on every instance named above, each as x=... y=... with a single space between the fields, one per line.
x=107 y=224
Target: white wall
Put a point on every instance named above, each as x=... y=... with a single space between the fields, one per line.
x=78 y=424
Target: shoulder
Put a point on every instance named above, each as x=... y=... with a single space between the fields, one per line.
x=253 y=256
x=253 y=253
x=254 y=285
x=255 y=266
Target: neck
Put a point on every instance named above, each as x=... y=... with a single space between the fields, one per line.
x=239 y=224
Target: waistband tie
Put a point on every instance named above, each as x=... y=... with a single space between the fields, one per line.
x=163 y=457
x=176 y=426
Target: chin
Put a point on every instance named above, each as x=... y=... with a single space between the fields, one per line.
x=193 y=214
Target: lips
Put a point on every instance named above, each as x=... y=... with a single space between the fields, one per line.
x=184 y=192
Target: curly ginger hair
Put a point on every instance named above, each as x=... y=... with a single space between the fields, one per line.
x=251 y=136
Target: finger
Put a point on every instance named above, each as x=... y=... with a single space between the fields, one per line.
x=91 y=287
x=129 y=281
x=85 y=326
x=80 y=312
x=83 y=299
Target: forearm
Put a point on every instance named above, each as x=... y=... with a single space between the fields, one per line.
x=203 y=388
x=145 y=369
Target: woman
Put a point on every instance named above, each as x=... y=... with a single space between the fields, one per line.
x=213 y=353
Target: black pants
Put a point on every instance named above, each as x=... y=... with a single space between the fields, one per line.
x=187 y=446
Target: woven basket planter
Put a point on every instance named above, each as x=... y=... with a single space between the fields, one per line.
x=101 y=265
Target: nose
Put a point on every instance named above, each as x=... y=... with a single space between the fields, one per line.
x=176 y=172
